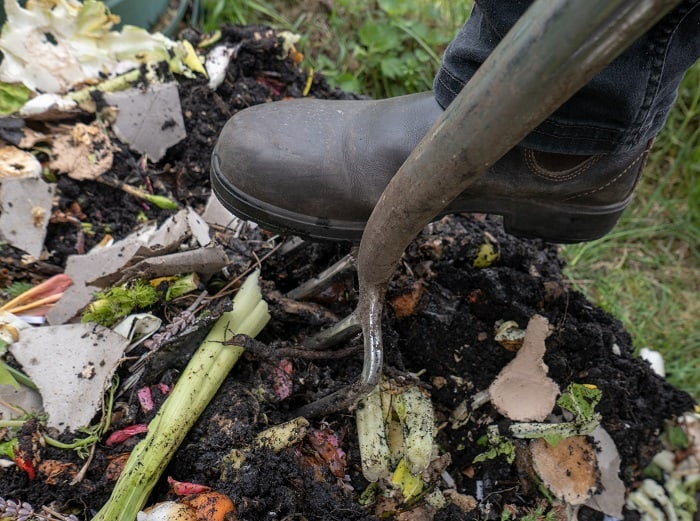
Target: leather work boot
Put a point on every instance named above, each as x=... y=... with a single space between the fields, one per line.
x=316 y=168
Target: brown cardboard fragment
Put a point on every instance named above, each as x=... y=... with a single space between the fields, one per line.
x=522 y=391
x=15 y=162
x=81 y=151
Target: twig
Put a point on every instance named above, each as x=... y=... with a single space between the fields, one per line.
x=226 y=290
x=263 y=350
x=81 y=474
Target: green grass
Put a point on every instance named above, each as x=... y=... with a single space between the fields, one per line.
x=645 y=272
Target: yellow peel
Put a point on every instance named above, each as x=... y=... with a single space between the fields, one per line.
x=279 y=437
x=192 y=60
x=487 y=255
x=411 y=485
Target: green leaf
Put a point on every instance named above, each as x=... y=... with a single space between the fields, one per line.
x=392 y=67
x=418 y=29
x=553 y=439
x=580 y=400
x=16 y=289
x=379 y=37
x=394 y=7
x=162 y=202
x=421 y=56
x=653 y=471
x=12 y=97
x=677 y=437
x=7 y=449
x=499 y=446
x=6 y=377
x=348 y=82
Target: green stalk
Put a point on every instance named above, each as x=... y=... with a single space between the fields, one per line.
x=198 y=384
x=12 y=424
x=20 y=377
x=181 y=286
x=554 y=432
x=162 y=202
x=121 y=82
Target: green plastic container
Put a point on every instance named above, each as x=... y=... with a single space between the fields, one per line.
x=146 y=13
x=137 y=12
x=142 y=13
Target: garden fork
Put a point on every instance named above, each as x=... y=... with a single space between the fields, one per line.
x=552 y=51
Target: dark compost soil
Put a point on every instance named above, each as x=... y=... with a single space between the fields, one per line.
x=448 y=338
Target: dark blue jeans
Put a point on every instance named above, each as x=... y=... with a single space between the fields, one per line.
x=624 y=105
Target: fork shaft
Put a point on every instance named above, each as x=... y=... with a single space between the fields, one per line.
x=551 y=52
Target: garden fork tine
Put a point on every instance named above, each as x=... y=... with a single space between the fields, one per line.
x=551 y=52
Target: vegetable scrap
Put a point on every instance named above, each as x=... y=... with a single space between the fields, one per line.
x=196 y=386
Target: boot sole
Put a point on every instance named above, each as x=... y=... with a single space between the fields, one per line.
x=557 y=223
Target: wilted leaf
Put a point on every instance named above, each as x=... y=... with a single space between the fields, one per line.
x=411 y=485
x=52 y=46
x=580 y=400
x=405 y=304
x=83 y=152
x=12 y=97
x=487 y=255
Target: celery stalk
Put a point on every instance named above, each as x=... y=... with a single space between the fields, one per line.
x=198 y=384
x=371 y=434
